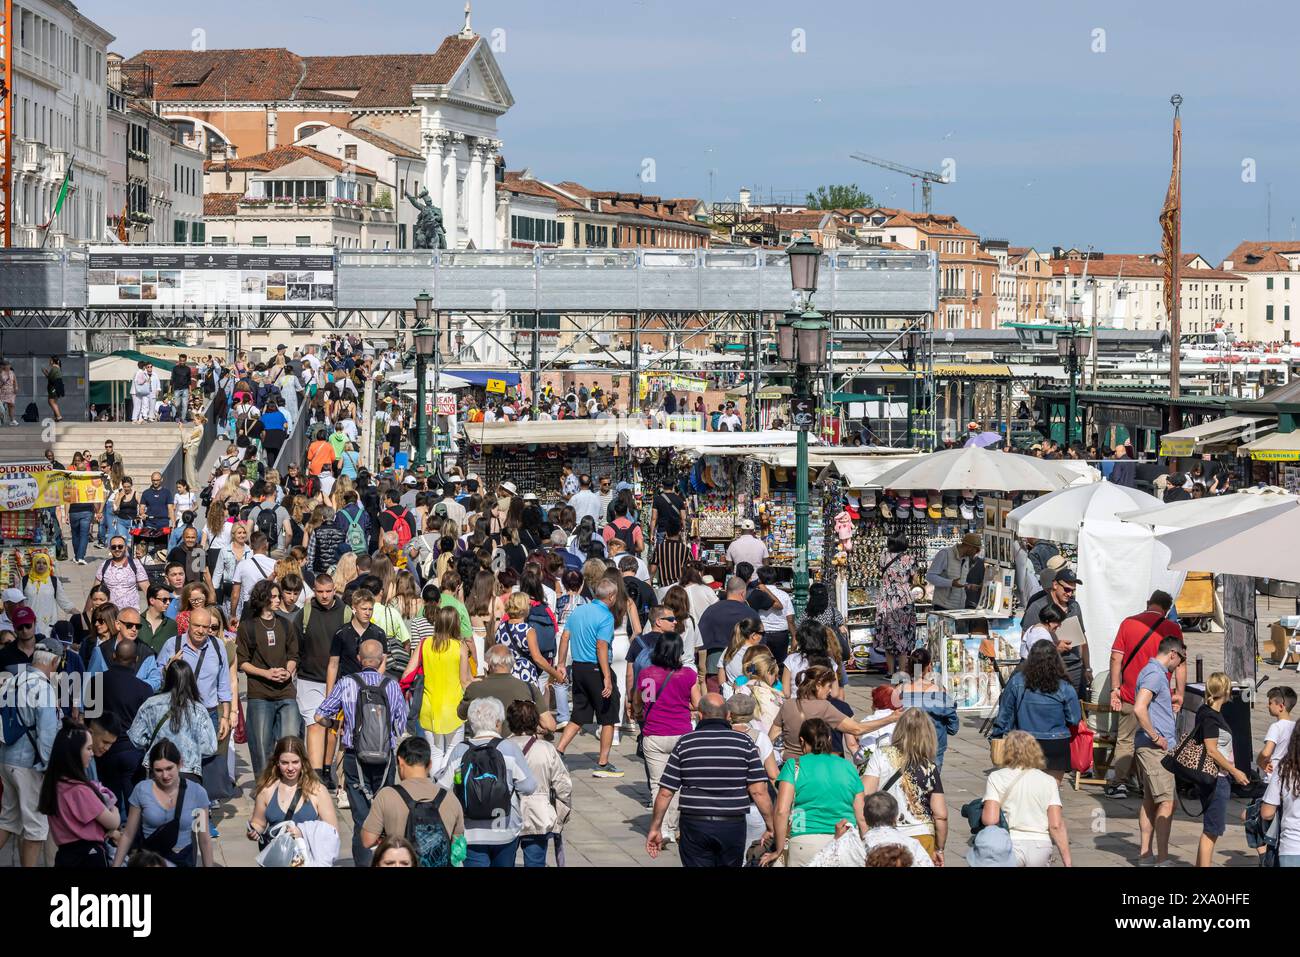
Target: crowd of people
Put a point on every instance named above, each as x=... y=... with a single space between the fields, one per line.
x=421 y=652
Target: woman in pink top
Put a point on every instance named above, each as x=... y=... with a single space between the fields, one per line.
x=83 y=813
x=668 y=693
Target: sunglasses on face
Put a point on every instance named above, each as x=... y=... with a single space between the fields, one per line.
x=134 y=625
x=116 y=548
x=668 y=618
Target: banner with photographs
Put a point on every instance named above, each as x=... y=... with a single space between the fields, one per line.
x=244 y=277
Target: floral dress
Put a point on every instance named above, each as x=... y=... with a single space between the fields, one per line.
x=895 y=609
x=514 y=635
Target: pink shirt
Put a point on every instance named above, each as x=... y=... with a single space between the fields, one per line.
x=79 y=805
x=123 y=582
x=671 y=714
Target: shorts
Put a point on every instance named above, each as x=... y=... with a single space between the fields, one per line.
x=311 y=695
x=1215 y=802
x=713 y=658
x=588 y=705
x=1157 y=783
x=18 y=811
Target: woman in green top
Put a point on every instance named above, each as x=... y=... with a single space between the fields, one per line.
x=815 y=791
x=54 y=386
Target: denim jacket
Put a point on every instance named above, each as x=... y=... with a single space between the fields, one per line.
x=1045 y=716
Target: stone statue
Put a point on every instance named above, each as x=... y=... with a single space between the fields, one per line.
x=429 y=232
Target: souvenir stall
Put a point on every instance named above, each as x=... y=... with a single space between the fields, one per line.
x=30 y=493
x=532 y=454
x=932 y=500
x=719 y=475
x=964 y=646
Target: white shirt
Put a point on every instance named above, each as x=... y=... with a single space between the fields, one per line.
x=1279 y=732
x=774 y=619
x=251 y=570
x=326 y=481
x=1033 y=634
x=1024 y=794
x=852 y=851
x=748 y=548
x=1289 y=839
x=587 y=502
x=732 y=422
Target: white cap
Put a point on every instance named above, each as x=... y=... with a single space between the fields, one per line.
x=13 y=596
x=530 y=497
x=746 y=525
x=410 y=480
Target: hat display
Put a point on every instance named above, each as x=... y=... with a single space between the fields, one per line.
x=935 y=511
x=919 y=503
x=967 y=510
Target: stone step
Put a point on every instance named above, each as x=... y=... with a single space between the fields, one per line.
x=145 y=446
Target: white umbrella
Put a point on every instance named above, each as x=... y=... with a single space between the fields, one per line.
x=1198 y=511
x=974 y=468
x=1059 y=516
x=446 y=380
x=1259 y=543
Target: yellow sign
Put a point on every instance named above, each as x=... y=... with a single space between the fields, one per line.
x=36 y=485
x=1177 y=448
x=1276 y=455
x=496 y=385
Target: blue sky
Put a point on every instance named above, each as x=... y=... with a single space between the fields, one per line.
x=1053 y=143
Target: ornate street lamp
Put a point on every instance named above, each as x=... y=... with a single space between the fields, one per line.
x=426 y=344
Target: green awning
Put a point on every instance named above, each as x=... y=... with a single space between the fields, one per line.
x=863 y=397
x=166 y=365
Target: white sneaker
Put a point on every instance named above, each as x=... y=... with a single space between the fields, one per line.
x=617 y=736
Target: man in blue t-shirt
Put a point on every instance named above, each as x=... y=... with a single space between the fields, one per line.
x=1154 y=710
x=159 y=504
x=589 y=632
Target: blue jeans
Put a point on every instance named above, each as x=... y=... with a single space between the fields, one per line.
x=120 y=526
x=1288 y=860
x=79 y=521
x=534 y=847
x=563 y=708
x=267 y=723
x=373 y=777
x=106 y=521
x=491 y=855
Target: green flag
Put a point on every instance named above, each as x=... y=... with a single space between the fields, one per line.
x=63 y=191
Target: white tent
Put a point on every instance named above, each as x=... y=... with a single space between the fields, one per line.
x=1198 y=511
x=672 y=438
x=979 y=469
x=1119 y=564
x=1259 y=543
x=406 y=378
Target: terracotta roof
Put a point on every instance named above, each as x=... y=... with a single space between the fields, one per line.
x=613 y=202
x=221 y=204
x=277 y=74
x=283 y=156
x=1138 y=266
x=376 y=139
x=515 y=183
x=1262 y=256
x=812 y=219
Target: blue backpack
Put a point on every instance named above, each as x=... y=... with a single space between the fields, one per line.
x=12 y=726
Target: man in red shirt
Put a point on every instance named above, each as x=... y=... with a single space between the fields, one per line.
x=1135 y=644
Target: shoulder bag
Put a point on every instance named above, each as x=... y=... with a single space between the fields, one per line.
x=1190 y=763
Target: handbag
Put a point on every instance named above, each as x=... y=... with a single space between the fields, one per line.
x=284 y=850
x=1190 y=763
x=1081 y=742
x=241 y=728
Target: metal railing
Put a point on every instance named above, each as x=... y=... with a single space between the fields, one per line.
x=174 y=470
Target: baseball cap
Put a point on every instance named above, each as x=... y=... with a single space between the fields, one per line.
x=1067 y=576
x=440 y=509
x=23 y=616
x=623 y=485
x=51 y=644
x=13 y=596
x=410 y=480
x=746 y=524
x=509 y=487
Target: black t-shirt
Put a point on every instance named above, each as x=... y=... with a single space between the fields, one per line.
x=719 y=621
x=346 y=643
x=641 y=593
x=1211 y=724
x=11 y=656
x=194 y=560
x=668 y=512
x=387 y=521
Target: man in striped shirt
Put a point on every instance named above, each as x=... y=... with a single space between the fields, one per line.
x=716 y=773
x=363 y=780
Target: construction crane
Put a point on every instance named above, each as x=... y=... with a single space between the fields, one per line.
x=925 y=176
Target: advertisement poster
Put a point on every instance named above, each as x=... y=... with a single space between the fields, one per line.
x=243 y=277
x=36 y=485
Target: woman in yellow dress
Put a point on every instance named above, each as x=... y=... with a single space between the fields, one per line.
x=439 y=652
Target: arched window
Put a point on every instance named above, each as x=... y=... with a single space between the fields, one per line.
x=307 y=129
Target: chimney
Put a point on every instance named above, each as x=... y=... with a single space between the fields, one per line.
x=744 y=197
x=270 y=128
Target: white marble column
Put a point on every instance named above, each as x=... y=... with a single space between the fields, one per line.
x=450 y=217
x=474 y=195
x=489 y=214
x=433 y=166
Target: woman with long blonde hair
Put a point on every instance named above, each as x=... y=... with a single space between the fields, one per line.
x=346 y=571
x=763 y=680
x=483 y=604
x=405 y=596
x=905 y=769
x=382 y=568
x=289 y=790
x=443 y=658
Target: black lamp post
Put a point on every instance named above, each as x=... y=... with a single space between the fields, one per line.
x=426 y=344
x=1072 y=346
x=803 y=342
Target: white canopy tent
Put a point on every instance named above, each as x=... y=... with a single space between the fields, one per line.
x=1119 y=564
x=708 y=441
x=1198 y=511
x=1259 y=543
x=445 y=380
x=979 y=469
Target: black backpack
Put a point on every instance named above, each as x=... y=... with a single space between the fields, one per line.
x=484 y=786
x=372 y=734
x=626 y=535
x=425 y=830
x=539 y=618
x=266 y=524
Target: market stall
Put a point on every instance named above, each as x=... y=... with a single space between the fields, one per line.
x=532 y=454
x=30 y=494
